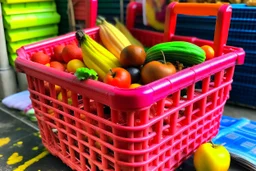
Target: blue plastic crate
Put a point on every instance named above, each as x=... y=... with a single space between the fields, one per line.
x=241 y=77
x=238 y=34
x=243 y=24
x=249 y=69
x=202 y=34
x=243 y=94
x=245 y=44
x=243 y=11
x=250 y=57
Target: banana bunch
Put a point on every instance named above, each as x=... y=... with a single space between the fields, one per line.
x=151 y=18
x=113 y=39
x=120 y=26
x=95 y=56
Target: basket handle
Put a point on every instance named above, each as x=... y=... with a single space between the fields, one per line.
x=222 y=12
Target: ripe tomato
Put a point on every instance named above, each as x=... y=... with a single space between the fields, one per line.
x=71 y=52
x=57 y=51
x=118 y=77
x=57 y=65
x=209 y=51
x=41 y=58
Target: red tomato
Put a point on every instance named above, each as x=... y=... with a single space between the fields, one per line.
x=118 y=77
x=40 y=57
x=57 y=51
x=57 y=65
x=71 y=52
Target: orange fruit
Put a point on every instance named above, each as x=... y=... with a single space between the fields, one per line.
x=135 y=85
x=74 y=64
x=209 y=51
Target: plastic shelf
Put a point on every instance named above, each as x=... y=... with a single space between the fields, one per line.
x=12 y=47
x=30 y=20
x=24 y=8
x=22 y=1
x=31 y=32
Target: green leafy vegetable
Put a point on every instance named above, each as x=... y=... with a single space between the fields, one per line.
x=86 y=73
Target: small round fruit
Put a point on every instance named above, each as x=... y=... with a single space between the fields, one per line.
x=57 y=51
x=57 y=65
x=135 y=85
x=41 y=58
x=118 y=77
x=74 y=64
x=155 y=70
x=209 y=51
x=135 y=74
x=132 y=55
x=71 y=52
x=69 y=99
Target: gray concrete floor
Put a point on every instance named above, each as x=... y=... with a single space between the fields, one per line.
x=240 y=112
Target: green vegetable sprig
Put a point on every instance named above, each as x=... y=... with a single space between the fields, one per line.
x=86 y=73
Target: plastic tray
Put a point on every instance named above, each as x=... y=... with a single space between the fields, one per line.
x=237 y=143
x=30 y=33
x=146 y=133
x=32 y=7
x=227 y=121
x=31 y=20
x=22 y=1
x=14 y=46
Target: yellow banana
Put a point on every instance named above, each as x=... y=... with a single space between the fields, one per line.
x=107 y=42
x=120 y=26
x=110 y=58
x=117 y=33
x=93 y=57
x=152 y=21
x=112 y=38
x=92 y=65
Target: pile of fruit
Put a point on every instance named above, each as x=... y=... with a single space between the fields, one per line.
x=119 y=59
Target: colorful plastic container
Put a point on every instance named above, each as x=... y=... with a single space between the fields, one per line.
x=30 y=20
x=14 y=46
x=30 y=33
x=152 y=127
x=22 y=1
x=24 y=8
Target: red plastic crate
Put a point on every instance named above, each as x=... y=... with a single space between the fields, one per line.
x=152 y=127
x=86 y=10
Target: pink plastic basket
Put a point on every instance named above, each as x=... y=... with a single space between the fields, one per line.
x=152 y=127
